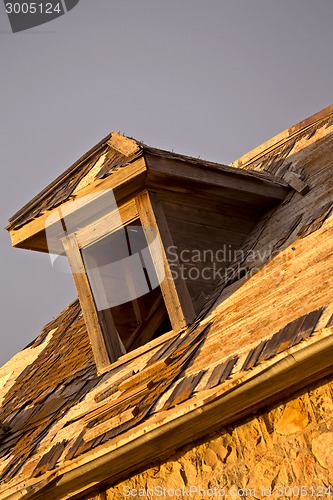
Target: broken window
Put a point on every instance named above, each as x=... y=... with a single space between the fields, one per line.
x=125 y=288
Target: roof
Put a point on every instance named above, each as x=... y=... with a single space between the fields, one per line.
x=257 y=337
x=102 y=161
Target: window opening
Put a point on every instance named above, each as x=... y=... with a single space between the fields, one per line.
x=126 y=290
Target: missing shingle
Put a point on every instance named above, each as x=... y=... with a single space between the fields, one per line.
x=316 y=220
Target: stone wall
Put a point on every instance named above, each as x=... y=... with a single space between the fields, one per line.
x=288 y=445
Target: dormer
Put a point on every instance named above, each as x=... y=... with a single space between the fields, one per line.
x=143 y=230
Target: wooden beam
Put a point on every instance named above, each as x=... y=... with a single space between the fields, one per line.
x=105 y=348
x=124 y=145
x=296 y=182
x=124 y=182
x=249 y=185
x=112 y=221
x=176 y=296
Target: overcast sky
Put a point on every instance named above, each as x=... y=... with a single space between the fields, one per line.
x=208 y=78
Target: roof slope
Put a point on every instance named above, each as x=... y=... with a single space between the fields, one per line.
x=62 y=425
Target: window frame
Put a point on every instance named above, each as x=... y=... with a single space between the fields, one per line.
x=105 y=342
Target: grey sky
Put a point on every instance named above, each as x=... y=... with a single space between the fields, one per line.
x=213 y=78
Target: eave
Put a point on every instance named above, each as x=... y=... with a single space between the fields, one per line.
x=207 y=178
x=160 y=171
x=213 y=409
x=32 y=235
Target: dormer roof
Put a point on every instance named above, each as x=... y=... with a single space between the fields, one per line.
x=126 y=166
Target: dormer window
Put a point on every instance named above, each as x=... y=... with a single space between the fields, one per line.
x=128 y=217
x=121 y=273
x=126 y=289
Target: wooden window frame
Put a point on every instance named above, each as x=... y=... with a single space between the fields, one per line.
x=146 y=207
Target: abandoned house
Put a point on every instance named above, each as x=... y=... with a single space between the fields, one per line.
x=197 y=358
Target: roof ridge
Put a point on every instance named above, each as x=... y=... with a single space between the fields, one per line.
x=283 y=137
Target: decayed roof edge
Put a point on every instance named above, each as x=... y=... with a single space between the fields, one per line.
x=240 y=162
x=282 y=137
x=33 y=202
x=215 y=409
x=64 y=471
x=144 y=150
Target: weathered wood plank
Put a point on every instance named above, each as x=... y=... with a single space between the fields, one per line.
x=112 y=221
x=102 y=347
x=183 y=390
x=233 y=180
x=122 y=144
x=176 y=296
x=121 y=182
x=296 y=183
